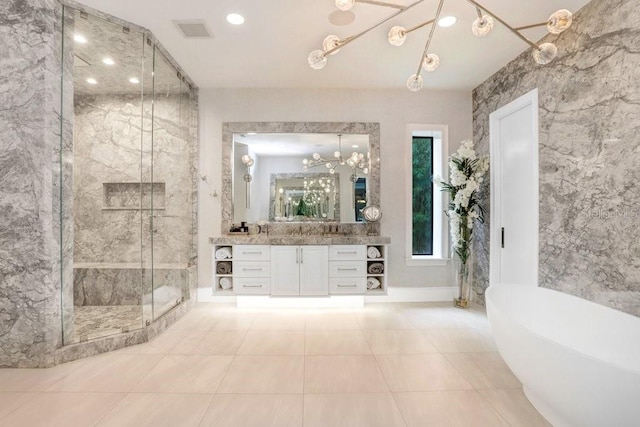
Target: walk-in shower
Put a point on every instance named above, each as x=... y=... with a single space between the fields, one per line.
x=128 y=181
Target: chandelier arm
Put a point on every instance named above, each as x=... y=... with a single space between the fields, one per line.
x=433 y=28
x=526 y=27
x=419 y=26
x=381 y=3
x=352 y=38
x=513 y=30
x=479 y=12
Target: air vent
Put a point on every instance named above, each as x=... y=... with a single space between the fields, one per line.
x=193 y=29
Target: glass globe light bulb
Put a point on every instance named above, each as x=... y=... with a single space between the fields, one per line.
x=328 y=165
x=430 y=62
x=305 y=161
x=397 y=35
x=245 y=159
x=345 y=4
x=559 y=21
x=336 y=154
x=545 y=53
x=365 y=170
x=350 y=163
x=332 y=171
x=316 y=156
x=250 y=163
x=482 y=26
x=317 y=59
x=331 y=42
x=415 y=83
x=360 y=156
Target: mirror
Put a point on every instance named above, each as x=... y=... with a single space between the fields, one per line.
x=304 y=197
x=278 y=150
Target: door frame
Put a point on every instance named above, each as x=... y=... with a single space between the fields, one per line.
x=530 y=98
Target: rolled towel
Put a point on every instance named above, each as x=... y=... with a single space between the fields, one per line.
x=223 y=253
x=376 y=268
x=226 y=283
x=373 y=252
x=223 y=267
x=373 y=283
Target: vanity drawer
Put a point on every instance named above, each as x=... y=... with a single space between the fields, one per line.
x=251 y=252
x=347 y=252
x=349 y=285
x=347 y=269
x=252 y=286
x=251 y=269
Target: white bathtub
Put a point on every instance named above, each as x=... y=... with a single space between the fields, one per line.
x=579 y=361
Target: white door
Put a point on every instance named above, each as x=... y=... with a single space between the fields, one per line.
x=514 y=192
x=314 y=270
x=285 y=271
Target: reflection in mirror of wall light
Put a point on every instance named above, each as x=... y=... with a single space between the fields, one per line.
x=108 y=61
x=235 y=19
x=79 y=38
x=92 y=81
x=134 y=80
x=447 y=21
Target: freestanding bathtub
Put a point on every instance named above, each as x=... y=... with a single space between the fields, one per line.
x=579 y=362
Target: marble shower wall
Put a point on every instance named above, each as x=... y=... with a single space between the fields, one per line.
x=30 y=141
x=589 y=117
x=109 y=221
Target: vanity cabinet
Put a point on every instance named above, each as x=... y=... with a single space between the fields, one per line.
x=299 y=270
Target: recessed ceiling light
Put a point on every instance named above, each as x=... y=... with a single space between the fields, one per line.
x=92 y=81
x=355 y=146
x=108 y=61
x=79 y=38
x=251 y=133
x=134 y=80
x=235 y=19
x=447 y=21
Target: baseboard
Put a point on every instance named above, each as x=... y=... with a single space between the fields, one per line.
x=394 y=294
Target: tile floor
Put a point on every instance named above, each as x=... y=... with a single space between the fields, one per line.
x=385 y=365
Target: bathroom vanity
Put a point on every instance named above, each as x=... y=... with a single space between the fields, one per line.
x=293 y=266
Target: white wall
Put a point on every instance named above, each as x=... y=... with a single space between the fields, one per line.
x=393 y=109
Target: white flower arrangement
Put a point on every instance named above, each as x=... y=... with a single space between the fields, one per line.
x=466 y=172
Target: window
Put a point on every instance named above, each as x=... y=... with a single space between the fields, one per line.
x=422 y=195
x=427 y=238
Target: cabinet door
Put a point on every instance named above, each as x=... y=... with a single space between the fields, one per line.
x=285 y=276
x=314 y=270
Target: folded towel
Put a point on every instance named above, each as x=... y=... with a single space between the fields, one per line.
x=373 y=283
x=223 y=253
x=223 y=267
x=373 y=252
x=226 y=283
x=376 y=268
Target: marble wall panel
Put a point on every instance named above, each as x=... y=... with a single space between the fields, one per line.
x=30 y=119
x=589 y=153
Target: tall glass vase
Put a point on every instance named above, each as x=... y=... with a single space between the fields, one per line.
x=463 y=282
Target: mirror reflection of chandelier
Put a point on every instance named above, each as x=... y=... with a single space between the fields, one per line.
x=358 y=162
x=543 y=53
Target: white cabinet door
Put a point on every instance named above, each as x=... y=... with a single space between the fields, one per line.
x=285 y=268
x=314 y=271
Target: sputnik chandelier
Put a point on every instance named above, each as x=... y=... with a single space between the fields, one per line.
x=542 y=53
x=358 y=162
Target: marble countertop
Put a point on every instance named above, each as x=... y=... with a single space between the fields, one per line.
x=263 y=239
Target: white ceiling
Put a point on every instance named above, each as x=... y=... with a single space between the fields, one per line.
x=271 y=48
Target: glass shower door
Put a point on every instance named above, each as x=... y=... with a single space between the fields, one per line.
x=171 y=198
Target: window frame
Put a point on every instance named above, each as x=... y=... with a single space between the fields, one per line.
x=440 y=155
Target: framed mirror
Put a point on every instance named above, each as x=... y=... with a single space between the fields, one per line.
x=304 y=197
x=280 y=148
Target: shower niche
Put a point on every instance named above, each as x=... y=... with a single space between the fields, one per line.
x=128 y=181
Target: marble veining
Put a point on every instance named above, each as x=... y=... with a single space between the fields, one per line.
x=589 y=117
x=262 y=239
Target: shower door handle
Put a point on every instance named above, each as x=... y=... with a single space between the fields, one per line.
x=502 y=237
